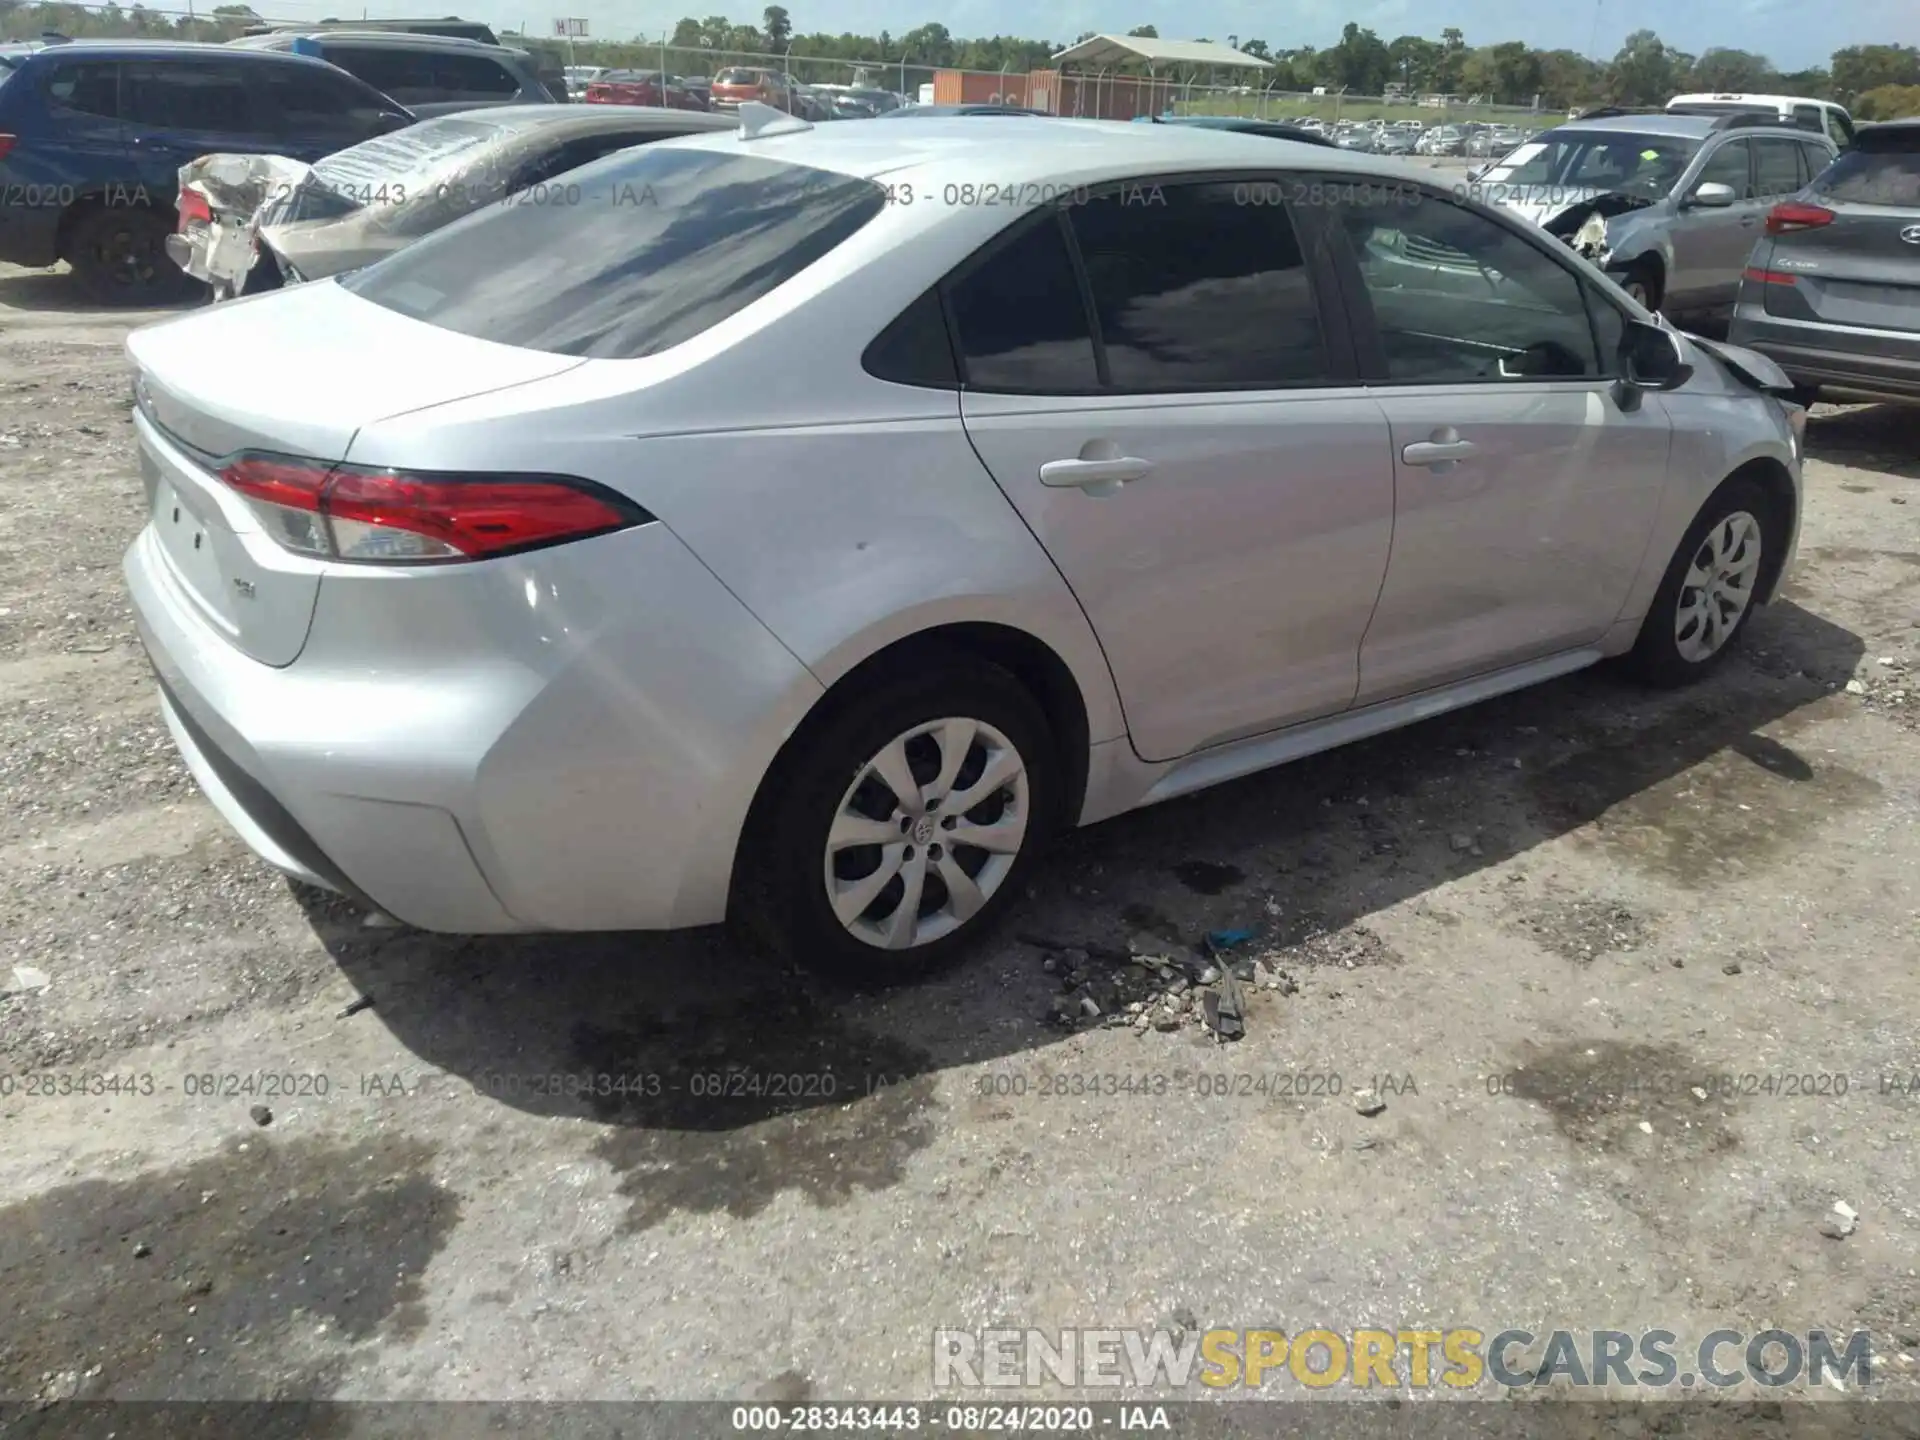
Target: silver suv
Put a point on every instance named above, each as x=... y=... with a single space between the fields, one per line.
x=1669 y=205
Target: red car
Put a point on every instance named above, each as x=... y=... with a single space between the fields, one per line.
x=641 y=87
x=731 y=87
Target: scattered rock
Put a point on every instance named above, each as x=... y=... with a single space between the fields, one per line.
x=142 y=1250
x=261 y=1115
x=1461 y=843
x=26 y=980
x=1089 y=1007
x=1839 y=1222
x=1646 y=1127
x=1368 y=1102
x=1207 y=975
x=1732 y=967
x=379 y=920
x=1226 y=1010
x=1166 y=1021
x=1855 y=687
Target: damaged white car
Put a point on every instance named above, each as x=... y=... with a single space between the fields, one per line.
x=256 y=222
x=1669 y=205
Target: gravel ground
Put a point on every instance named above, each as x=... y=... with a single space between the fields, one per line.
x=1501 y=923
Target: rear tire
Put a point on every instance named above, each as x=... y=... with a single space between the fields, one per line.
x=832 y=823
x=1707 y=595
x=118 y=253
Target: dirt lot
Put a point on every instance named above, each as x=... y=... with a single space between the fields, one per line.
x=1528 y=921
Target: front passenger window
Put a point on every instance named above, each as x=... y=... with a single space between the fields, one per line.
x=1728 y=166
x=1458 y=297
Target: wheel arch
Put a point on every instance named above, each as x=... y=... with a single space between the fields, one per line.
x=1773 y=477
x=1031 y=661
x=89 y=204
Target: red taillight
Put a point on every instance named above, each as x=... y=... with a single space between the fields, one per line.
x=356 y=513
x=194 y=207
x=1783 y=219
x=1768 y=277
x=7 y=142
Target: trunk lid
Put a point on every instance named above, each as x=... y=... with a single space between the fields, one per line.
x=296 y=372
x=1858 y=270
x=1861 y=269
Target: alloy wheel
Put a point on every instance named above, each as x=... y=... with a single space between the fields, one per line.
x=927 y=833
x=1718 y=587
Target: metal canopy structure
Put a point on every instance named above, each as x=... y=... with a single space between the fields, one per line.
x=1110 y=50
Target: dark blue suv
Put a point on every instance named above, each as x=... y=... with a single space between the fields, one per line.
x=93 y=135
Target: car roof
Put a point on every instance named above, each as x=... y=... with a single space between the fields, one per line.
x=391 y=39
x=1681 y=127
x=170 y=49
x=1032 y=148
x=1706 y=97
x=567 y=121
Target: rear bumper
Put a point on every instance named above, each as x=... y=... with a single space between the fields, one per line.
x=565 y=740
x=1878 y=363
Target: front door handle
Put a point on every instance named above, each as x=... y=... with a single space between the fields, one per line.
x=1440 y=451
x=1102 y=476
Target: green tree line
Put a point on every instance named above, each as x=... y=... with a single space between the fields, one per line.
x=1876 y=81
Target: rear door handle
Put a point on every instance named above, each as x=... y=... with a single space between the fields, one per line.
x=1089 y=474
x=1439 y=454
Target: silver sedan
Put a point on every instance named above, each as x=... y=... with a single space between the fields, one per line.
x=803 y=524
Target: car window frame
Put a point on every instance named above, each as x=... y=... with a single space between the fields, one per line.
x=1364 y=326
x=1310 y=232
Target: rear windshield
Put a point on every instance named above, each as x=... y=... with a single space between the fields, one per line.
x=739 y=77
x=642 y=251
x=1874 y=177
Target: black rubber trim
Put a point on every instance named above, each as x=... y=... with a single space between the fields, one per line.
x=265 y=811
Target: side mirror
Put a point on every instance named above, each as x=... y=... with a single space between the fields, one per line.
x=1712 y=196
x=1651 y=358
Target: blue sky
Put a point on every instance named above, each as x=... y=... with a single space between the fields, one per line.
x=1783 y=30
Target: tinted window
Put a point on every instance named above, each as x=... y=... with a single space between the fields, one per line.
x=90 y=89
x=1873 y=177
x=914 y=349
x=1776 y=167
x=401 y=74
x=1647 y=166
x=1459 y=297
x=663 y=245
x=1019 y=320
x=307 y=98
x=473 y=75
x=187 y=97
x=1728 y=166
x=1193 y=287
x=1817 y=159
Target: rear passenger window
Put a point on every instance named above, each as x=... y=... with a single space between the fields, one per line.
x=1776 y=167
x=398 y=74
x=475 y=76
x=187 y=97
x=1196 y=289
x=310 y=99
x=914 y=349
x=1020 y=321
x=89 y=89
x=1816 y=159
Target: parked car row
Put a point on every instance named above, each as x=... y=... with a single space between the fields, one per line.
x=693 y=629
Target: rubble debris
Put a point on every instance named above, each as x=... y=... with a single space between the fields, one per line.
x=1839 y=1222
x=25 y=980
x=1225 y=1010
x=260 y=1115
x=1368 y=1102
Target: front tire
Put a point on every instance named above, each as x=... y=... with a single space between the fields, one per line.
x=1707 y=595
x=903 y=828
x=1642 y=282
